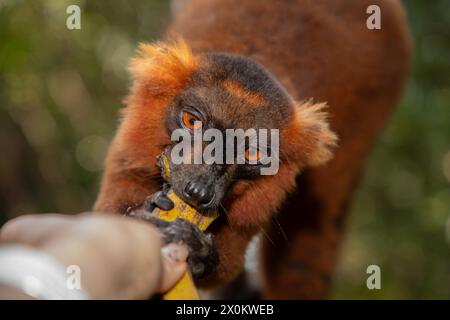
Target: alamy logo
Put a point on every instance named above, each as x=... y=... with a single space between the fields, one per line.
x=73 y=21
x=373 y=22
x=238 y=146
x=374 y=280
x=73 y=281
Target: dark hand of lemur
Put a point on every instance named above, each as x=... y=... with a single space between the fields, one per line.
x=173 y=89
x=202 y=258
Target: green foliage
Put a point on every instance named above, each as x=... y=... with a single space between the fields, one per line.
x=60 y=92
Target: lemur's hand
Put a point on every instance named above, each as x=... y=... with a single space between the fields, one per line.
x=202 y=258
x=159 y=200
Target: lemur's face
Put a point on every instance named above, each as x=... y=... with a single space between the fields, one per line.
x=176 y=90
x=226 y=92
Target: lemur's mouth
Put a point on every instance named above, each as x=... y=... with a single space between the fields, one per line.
x=197 y=187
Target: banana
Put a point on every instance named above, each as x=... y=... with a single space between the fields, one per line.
x=185 y=288
x=184 y=211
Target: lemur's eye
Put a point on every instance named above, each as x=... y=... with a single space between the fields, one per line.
x=253 y=154
x=190 y=121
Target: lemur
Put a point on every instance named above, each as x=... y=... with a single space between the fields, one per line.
x=250 y=63
x=175 y=89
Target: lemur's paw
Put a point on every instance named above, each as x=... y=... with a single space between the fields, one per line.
x=159 y=200
x=203 y=257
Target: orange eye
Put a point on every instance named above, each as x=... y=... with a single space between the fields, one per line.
x=190 y=121
x=253 y=154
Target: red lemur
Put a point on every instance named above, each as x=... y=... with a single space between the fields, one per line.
x=245 y=64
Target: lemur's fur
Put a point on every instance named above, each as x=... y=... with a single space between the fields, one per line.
x=316 y=49
x=234 y=92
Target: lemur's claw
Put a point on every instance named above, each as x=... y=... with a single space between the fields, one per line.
x=158 y=200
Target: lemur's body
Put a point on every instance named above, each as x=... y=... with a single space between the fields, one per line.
x=316 y=49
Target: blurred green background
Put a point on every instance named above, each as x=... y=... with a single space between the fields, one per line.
x=60 y=91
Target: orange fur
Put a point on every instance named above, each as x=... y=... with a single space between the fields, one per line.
x=163 y=67
x=310 y=134
x=252 y=97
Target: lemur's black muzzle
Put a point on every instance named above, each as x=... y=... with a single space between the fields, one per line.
x=198 y=194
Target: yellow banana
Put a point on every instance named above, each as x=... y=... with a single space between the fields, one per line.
x=184 y=289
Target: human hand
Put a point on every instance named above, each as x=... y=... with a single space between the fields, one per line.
x=119 y=257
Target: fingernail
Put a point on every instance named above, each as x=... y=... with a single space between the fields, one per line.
x=175 y=253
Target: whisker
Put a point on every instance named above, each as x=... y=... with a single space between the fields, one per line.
x=262 y=194
x=227 y=215
x=281 y=229
x=266 y=234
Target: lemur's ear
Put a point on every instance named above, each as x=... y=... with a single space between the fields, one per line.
x=163 y=67
x=311 y=135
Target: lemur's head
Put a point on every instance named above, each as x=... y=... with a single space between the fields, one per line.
x=175 y=89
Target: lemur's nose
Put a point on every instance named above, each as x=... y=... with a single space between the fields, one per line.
x=198 y=194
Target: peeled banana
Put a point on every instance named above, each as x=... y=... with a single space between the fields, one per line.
x=185 y=288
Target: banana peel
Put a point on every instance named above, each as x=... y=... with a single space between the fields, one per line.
x=185 y=288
